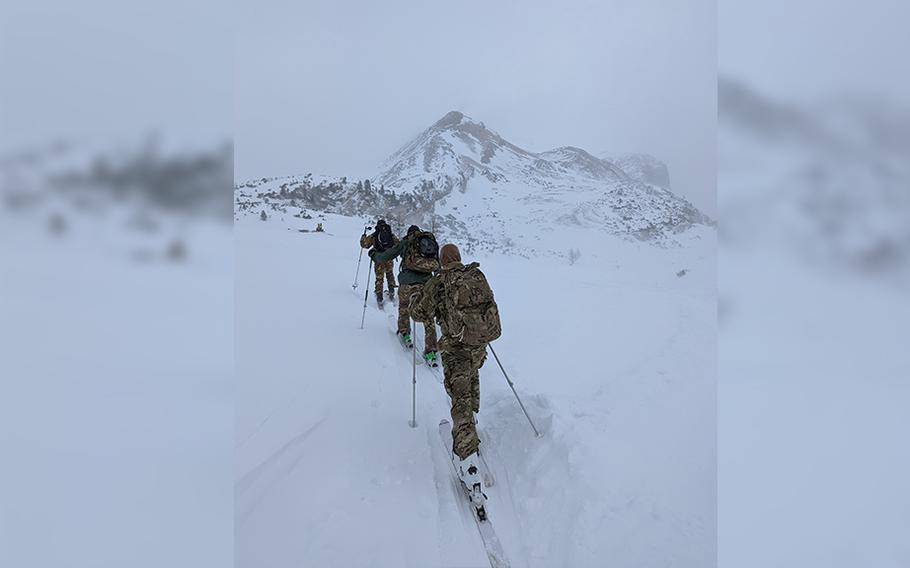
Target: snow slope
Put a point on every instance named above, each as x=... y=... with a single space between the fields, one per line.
x=116 y=314
x=830 y=182
x=813 y=459
x=115 y=410
x=613 y=356
x=812 y=418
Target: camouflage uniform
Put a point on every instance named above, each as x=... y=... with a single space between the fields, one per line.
x=461 y=366
x=462 y=381
x=410 y=283
x=404 y=316
x=384 y=269
x=381 y=269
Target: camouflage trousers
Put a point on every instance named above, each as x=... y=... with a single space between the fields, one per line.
x=385 y=269
x=462 y=382
x=404 y=316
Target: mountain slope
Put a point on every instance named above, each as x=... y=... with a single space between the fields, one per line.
x=457 y=149
x=468 y=183
x=814 y=312
x=644 y=168
x=328 y=473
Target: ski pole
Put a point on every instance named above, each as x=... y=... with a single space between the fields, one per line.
x=357 y=274
x=413 y=422
x=536 y=433
x=359 y=258
x=365 y=293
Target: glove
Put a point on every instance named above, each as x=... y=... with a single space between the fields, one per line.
x=371 y=254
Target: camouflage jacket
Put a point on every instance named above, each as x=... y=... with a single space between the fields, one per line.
x=366 y=241
x=405 y=276
x=429 y=304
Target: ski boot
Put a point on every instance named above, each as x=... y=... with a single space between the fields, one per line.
x=379 y=301
x=431 y=359
x=404 y=338
x=392 y=294
x=469 y=473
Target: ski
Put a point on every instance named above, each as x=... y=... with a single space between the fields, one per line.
x=491 y=543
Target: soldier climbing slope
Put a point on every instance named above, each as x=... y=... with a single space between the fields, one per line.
x=379 y=240
x=461 y=300
x=419 y=259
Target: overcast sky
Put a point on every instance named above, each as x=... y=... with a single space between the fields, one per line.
x=106 y=70
x=815 y=49
x=335 y=86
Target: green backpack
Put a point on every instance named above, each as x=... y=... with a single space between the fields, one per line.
x=470 y=313
x=422 y=254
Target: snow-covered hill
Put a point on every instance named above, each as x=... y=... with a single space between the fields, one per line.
x=611 y=345
x=813 y=264
x=474 y=187
x=456 y=149
x=613 y=356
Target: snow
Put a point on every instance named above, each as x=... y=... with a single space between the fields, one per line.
x=116 y=403
x=812 y=418
x=813 y=458
x=613 y=357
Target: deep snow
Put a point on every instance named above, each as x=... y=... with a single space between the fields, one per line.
x=115 y=410
x=812 y=417
x=813 y=459
x=613 y=356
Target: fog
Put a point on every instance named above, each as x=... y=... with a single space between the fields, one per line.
x=814 y=260
x=815 y=49
x=336 y=87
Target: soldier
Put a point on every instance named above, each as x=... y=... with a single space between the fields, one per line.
x=461 y=300
x=382 y=239
x=419 y=259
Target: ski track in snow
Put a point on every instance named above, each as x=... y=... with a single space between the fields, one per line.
x=328 y=472
x=279 y=464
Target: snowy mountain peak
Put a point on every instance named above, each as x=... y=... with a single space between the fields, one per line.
x=452 y=118
x=458 y=122
x=477 y=188
x=446 y=155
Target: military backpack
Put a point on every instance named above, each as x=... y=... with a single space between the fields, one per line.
x=469 y=311
x=422 y=254
x=382 y=238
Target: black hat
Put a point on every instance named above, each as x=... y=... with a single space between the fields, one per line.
x=413 y=229
x=380 y=222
